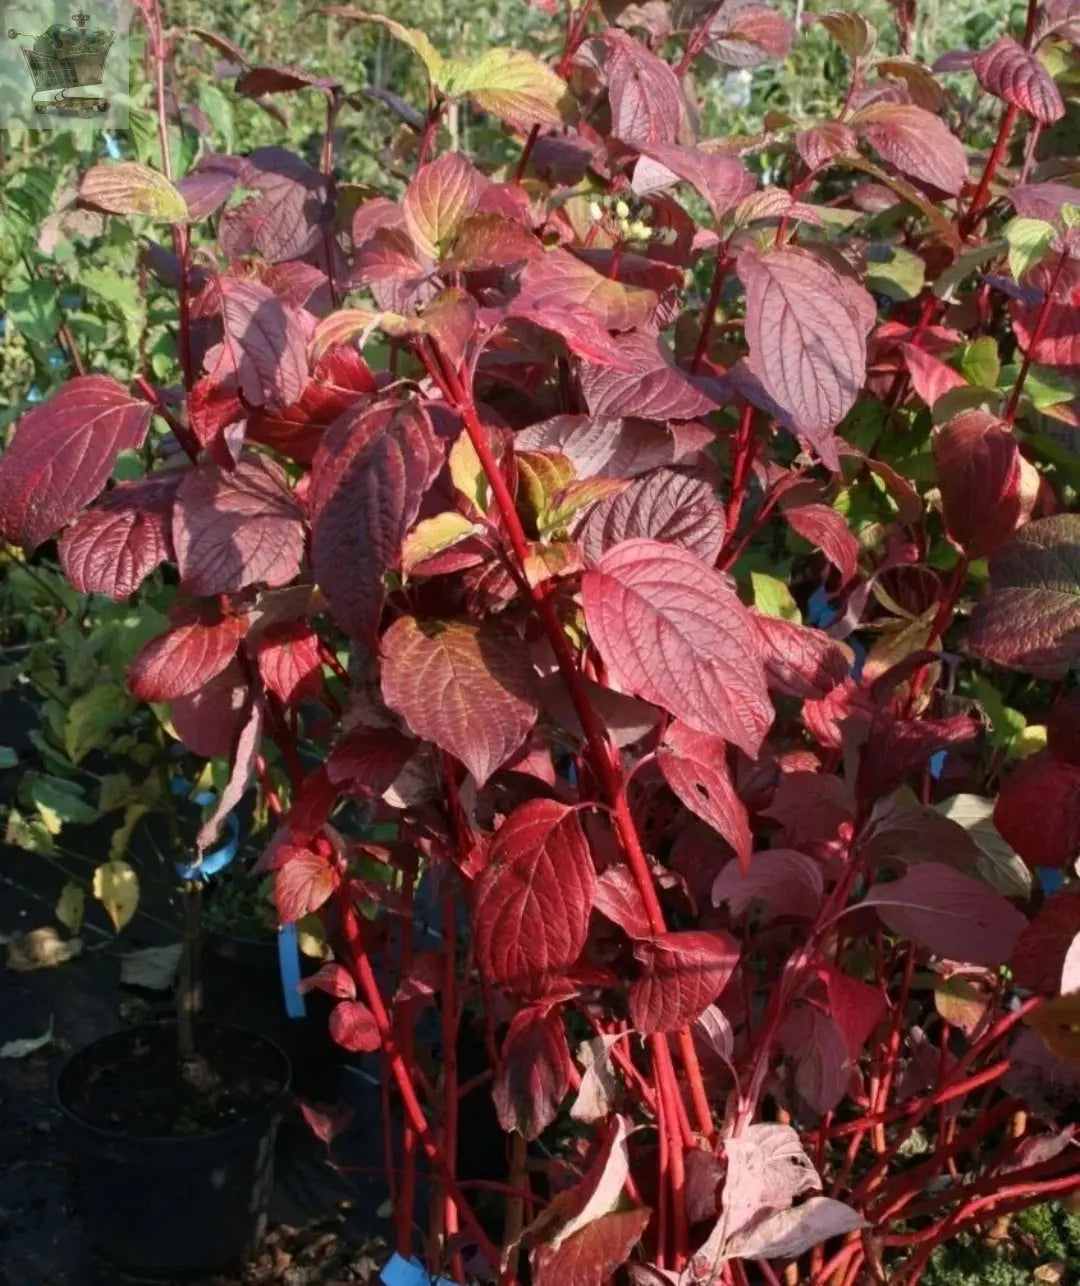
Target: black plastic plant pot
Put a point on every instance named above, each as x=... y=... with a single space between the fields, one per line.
x=181 y=1204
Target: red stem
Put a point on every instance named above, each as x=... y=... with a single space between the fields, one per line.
x=980 y=200
x=362 y=971
x=720 y=271
x=449 y=1080
x=1041 y=322
x=740 y=472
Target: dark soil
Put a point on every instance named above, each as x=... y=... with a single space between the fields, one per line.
x=137 y=1085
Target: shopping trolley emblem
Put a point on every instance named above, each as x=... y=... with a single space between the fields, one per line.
x=67 y=58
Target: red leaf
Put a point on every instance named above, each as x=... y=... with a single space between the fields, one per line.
x=490 y=241
x=822 y=526
x=603 y=448
x=673 y=631
x=694 y=765
x=977 y=462
x=799 y=661
x=302 y=884
x=367 y=761
x=917 y=142
x=591 y=1256
x=901 y=748
x=1063 y=729
x=786 y=881
x=646 y=100
x=1030 y=620
x=746 y=33
x=266 y=342
x=806 y=327
x=469 y=689
x=1008 y=71
x=209 y=185
x=816 y=1045
x=531 y=902
x=855 y=1006
x=236 y=528
x=184 y=659
x=723 y=181
x=1038 y=811
x=930 y=378
x=949 y=914
x=647 y=384
x=372 y=493
x=326 y=1123
x=682 y=974
x=257 y=81
x=618 y=899
x=666 y=505
x=243 y=765
x=63 y=454
x=533 y=1076
x=583 y=332
x=289 y=662
x=116 y=544
x=207 y=721
x=560 y=280
x=1039 y=954
x=439 y=199
x=353 y=1027
x=332 y=978
x=824 y=143
x=285 y=220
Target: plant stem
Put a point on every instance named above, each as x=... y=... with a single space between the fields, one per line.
x=1041 y=323
x=719 y=273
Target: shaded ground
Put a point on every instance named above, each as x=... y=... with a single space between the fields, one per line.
x=324 y=1226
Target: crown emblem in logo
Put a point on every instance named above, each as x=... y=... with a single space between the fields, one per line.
x=67 y=58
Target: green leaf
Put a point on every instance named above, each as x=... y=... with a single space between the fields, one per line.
x=894 y=271
x=92 y=717
x=1044 y=386
x=416 y=39
x=117 y=789
x=511 y=84
x=33 y=309
x=8 y=757
x=29 y=833
x=1029 y=240
x=432 y=535
x=71 y=906
x=58 y=803
x=980 y=362
x=129 y=187
x=772 y=596
x=116 y=886
x=217 y=107
x=1070 y=215
x=1005 y=722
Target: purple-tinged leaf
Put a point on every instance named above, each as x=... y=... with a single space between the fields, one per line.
x=614 y=448
x=1038 y=811
x=800 y=662
x=806 y=326
x=747 y=33
x=682 y=973
x=561 y=279
x=694 y=765
x=592 y=1255
x=289 y=662
x=673 y=631
x=63 y=453
x=266 y=342
x=977 y=462
x=207 y=721
x=487 y=241
x=243 y=766
x=917 y=142
x=824 y=143
x=1010 y=72
x=200 y=644
x=257 y=81
x=364 y=502
x=723 y=181
x=533 y=1076
x=1042 y=200
x=894 y=752
x=285 y=220
x=1040 y=951
x=949 y=914
x=930 y=378
x=470 y=689
x=665 y=505
x=303 y=881
x=236 y=528
x=367 y=761
x=649 y=386
x=647 y=104
x=353 y=1027
x=116 y=544
x=129 y=187
x=209 y=185
x=816 y=1045
x=1030 y=620
x=785 y=881
x=531 y=902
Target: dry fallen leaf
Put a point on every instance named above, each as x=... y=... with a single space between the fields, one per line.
x=27 y=1045
x=154 y=967
x=40 y=949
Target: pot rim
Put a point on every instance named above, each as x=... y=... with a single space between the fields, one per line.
x=270 y=1109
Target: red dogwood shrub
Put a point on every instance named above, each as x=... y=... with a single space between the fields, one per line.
x=674 y=581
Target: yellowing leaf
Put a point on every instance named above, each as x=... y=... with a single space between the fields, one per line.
x=92 y=717
x=1058 y=1022
x=772 y=596
x=70 y=906
x=511 y=84
x=433 y=535
x=1029 y=240
x=541 y=476
x=121 y=837
x=416 y=39
x=467 y=473
x=129 y=187
x=116 y=886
